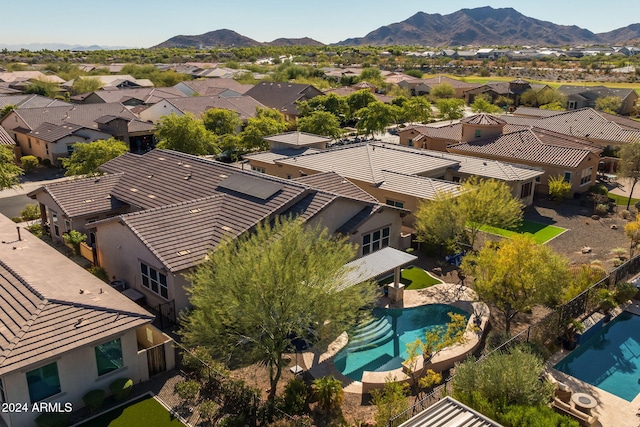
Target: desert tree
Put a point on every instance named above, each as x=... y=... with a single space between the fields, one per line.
x=629 y=165
x=257 y=293
x=87 y=158
x=517 y=274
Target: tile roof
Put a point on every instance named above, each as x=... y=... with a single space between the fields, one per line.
x=245 y=106
x=203 y=85
x=5 y=139
x=448 y=412
x=336 y=184
x=145 y=95
x=53 y=306
x=415 y=185
x=595 y=92
x=16 y=76
x=84 y=115
x=283 y=96
x=297 y=138
x=586 y=123
x=203 y=209
x=440 y=130
x=272 y=155
x=483 y=119
x=30 y=101
x=84 y=196
x=52 y=133
x=364 y=162
x=453 y=82
x=532 y=145
x=535 y=112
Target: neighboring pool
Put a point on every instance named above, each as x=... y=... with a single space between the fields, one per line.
x=380 y=345
x=609 y=360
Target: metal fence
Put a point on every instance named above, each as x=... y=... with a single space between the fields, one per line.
x=548 y=328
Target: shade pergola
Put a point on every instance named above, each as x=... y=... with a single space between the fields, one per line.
x=375 y=264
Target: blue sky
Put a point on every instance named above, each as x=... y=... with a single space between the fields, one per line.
x=144 y=23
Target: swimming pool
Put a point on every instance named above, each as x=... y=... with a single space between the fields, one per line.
x=609 y=360
x=381 y=345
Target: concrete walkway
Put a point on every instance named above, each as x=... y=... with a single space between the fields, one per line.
x=622 y=187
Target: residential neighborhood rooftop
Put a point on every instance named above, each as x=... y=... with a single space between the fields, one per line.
x=52 y=306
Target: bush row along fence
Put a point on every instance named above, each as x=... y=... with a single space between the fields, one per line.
x=548 y=328
x=233 y=396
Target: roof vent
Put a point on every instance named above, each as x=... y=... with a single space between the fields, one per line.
x=185 y=252
x=195 y=210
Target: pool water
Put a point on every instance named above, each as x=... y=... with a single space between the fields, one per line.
x=609 y=360
x=381 y=344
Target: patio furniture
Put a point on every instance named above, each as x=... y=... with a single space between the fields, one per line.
x=562 y=391
x=584 y=402
x=585 y=420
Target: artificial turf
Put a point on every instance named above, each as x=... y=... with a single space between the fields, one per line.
x=622 y=200
x=541 y=233
x=413 y=278
x=142 y=412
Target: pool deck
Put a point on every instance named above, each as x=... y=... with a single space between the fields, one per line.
x=611 y=410
x=321 y=364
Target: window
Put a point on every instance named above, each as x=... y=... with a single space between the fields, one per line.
x=3 y=397
x=258 y=169
x=109 y=356
x=567 y=176
x=46 y=147
x=395 y=203
x=54 y=222
x=572 y=105
x=538 y=179
x=525 y=190
x=29 y=141
x=375 y=241
x=289 y=176
x=410 y=142
x=67 y=225
x=43 y=382
x=153 y=280
x=455 y=179
x=478 y=133
x=585 y=177
x=69 y=149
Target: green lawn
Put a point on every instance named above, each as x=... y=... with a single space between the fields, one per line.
x=622 y=200
x=142 y=412
x=413 y=278
x=541 y=233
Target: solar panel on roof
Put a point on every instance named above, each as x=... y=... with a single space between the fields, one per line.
x=250 y=185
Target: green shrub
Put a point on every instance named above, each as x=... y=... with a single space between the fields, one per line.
x=74 y=238
x=559 y=189
x=296 y=396
x=36 y=230
x=598 y=189
x=624 y=292
x=625 y=214
x=29 y=163
x=30 y=213
x=53 y=419
x=601 y=209
x=16 y=219
x=534 y=416
x=187 y=390
x=94 y=400
x=208 y=410
x=46 y=162
x=121 y=388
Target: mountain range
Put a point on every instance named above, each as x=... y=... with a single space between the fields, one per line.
x=483 y=26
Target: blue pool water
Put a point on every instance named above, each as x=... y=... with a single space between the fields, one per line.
x=381 y=345
x=609 y=360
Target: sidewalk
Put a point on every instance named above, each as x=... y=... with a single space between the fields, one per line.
x=622 y=187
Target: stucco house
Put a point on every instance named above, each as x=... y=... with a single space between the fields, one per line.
x=489 y=137
x=65 y=332
x=396 y=175
x=50 y=132
x=245 y=106
x=581 y=97
x=153 y=218
x=283 y=96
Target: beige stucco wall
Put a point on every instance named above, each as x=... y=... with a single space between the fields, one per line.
x=120 y=253
x=542 y=187
x=78 y=374
x=156 y=111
